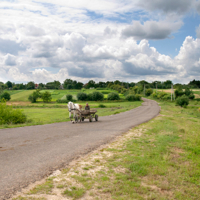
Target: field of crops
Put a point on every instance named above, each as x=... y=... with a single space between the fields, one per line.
x=22 y=95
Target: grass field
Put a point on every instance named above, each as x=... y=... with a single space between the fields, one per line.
x=40 y=113
x=156 y=160
x=22 y=95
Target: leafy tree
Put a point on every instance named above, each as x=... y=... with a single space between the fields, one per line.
x=34 y=96
x=30 y=85
x=6 y=96
x=113 y=96
x=9 y=84
x=46 y=97
x=90 y=84
x=41 y=86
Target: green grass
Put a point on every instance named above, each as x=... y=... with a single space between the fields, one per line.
x=22 y=95
x=161 y=164
x=39 y=113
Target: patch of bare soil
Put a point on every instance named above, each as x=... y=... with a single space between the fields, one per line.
x=18 y=103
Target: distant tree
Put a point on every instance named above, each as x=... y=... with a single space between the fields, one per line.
x=90 y=84
x=46 y=97
x=9 y=84
x=41 y=86
x=167 y=84
x=30 y=85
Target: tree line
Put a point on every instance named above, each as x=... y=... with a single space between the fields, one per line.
x=117 y=85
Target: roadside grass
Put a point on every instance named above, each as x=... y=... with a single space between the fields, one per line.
x=156 y=160
x=40 y=113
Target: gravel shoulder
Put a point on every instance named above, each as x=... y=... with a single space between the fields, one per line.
x=28 y=154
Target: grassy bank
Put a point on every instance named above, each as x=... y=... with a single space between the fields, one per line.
x=40 y=113
x=156 y=160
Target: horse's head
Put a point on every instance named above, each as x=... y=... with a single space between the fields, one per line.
x=70 y=106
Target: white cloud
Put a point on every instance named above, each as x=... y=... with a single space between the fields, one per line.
x=189 y=57
x=66 y=39
x=151 y=30
x=198 y=32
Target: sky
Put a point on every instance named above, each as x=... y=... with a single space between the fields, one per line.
x=100 y=40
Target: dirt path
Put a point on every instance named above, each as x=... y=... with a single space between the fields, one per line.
x=30 y=153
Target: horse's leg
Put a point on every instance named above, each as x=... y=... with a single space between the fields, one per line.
x=70 y=114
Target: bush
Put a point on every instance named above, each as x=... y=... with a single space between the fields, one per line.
x=179 y=93
x=69 y=97
x=191 y=96
x=113 y=96
x=148 y=92
x=82 y=96
x=138 y=97
x=8 y=115
x=90 y=97
x=102 y=106
x=97 y=96
x=46 y=97
x=6 y=96
x=130 y=97
x=182 y=101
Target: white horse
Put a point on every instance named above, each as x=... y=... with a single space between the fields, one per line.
x=73 y=109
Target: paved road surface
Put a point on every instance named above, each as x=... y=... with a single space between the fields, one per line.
x=30 y=153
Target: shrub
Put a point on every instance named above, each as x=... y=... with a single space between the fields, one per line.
x=6 y=96
x=191 y=96
x=102 y=106
x=148 y=92
x=138 y=97
x=90 y=97
x=69 y=97
x=182 y=101
x=130 y=97
x=179 y=93
x=113 y=96
x=46 y=97
x=97 y=96
x=8 y=115
x=82 y=96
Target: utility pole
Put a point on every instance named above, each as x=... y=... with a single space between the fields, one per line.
x=156 y=86
x=172 y=92
x=144 y=89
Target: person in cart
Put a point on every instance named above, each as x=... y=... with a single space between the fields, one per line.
x=87 y=107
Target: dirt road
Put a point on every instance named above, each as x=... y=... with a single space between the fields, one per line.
x=30 y=153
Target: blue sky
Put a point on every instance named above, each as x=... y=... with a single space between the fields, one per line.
x=46 y=40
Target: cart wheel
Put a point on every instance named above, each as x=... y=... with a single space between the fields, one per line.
x=82 y=118
x=90 y=119
x=96 y=117
x=76 y=119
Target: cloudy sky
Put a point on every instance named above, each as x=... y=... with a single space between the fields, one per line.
x=101 y=40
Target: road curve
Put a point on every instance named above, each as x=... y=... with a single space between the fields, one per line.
x=30 y=153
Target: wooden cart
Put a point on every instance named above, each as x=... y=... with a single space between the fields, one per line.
x=87 y=114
